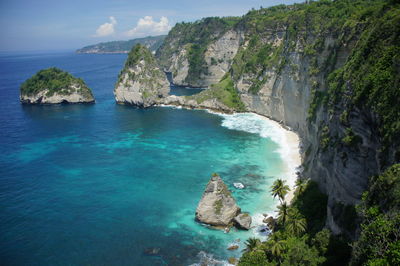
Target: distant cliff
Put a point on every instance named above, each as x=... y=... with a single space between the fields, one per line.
x=151 y=42
x=53 y=86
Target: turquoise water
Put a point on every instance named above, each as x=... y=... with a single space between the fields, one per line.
x=100 y=184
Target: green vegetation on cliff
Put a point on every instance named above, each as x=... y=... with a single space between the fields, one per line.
x=379 y=241
x=371 y=77
x=299 y=237
x=138 y=53
x=194 y=37
x=54 y=80
x=224 y=92
x=152 y=42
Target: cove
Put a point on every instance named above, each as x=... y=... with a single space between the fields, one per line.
x=104 y=184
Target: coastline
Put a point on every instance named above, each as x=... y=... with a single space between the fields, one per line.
x=288 y=140
x=290 y=149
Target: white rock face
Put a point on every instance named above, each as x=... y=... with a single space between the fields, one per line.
x=43 y=97
x=218 y=58
x=217 y=207
x=143 y=85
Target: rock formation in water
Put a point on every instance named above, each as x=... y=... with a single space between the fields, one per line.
x=141 y=82
x=217 y=206
x=53 y=86
x=243 y=221
x=332 y=80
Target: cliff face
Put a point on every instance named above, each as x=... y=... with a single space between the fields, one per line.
x=53 y=86
x=141 y=82
x=199 y=54
x=288 y=63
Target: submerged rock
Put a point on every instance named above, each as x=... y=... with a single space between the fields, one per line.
x=141 y=82
x=232 y=260
x=243 y=221
x=152 y=251
x=233 y=247
x=217 y=206
x=53 y=86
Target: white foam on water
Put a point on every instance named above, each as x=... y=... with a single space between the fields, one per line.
x=287 y=141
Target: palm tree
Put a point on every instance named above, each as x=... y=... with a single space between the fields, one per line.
x=301 y=184
x=279 y=189
x=283 y=213
x=296 y=224
x=276 y=244
x=252 y=243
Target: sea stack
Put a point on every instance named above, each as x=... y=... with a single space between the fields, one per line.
x=141 y=82
x=217 y=206
x=53 y=86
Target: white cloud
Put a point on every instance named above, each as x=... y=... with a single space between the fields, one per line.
x=147 y=26
x=106 y=28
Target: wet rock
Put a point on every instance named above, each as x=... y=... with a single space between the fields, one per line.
x=217 y=206
x=243 y=221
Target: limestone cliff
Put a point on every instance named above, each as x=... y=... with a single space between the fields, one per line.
x=311 y=68
x=199 y=54
x=141 y=82
x=53 y=86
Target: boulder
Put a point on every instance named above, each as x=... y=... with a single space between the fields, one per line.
x=233 y=247
x=270 y=221
x=243 y=221
x=217 y=206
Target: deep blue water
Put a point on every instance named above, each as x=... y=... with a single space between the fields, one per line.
x=99 y=184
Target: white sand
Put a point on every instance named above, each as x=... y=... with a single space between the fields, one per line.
x=290 y=151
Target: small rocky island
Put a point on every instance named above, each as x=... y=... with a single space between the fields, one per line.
x=218 y=208
x=141 y=82
x=53 y=86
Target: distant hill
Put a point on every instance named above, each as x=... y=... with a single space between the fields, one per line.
x=151 y=42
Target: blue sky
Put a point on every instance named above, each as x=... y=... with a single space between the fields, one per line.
x=71 y=24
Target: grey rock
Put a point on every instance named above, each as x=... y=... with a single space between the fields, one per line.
x=243 y=221
x=142 y=83
x=217 y=206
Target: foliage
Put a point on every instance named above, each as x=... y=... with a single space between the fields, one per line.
x=279 y=189
x=379 y=241
x=301 y=240
x=139 y=52
x=195 y=36
x=224 y=92
x=54 y=80
x=371 y=75
x=252 y=244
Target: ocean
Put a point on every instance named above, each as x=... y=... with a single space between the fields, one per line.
x=106 y=184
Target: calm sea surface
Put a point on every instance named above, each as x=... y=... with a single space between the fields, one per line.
x=103 y=184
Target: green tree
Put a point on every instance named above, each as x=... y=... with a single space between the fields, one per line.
x=283 y=213
x=301 y=185
x=251 y=244
x=296 y=223
x=279 y=189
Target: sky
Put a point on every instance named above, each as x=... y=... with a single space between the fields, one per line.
x=39 y=25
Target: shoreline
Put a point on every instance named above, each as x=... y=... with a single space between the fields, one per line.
x=289 y=148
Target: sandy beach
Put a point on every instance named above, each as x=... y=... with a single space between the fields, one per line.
x=290 y=150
